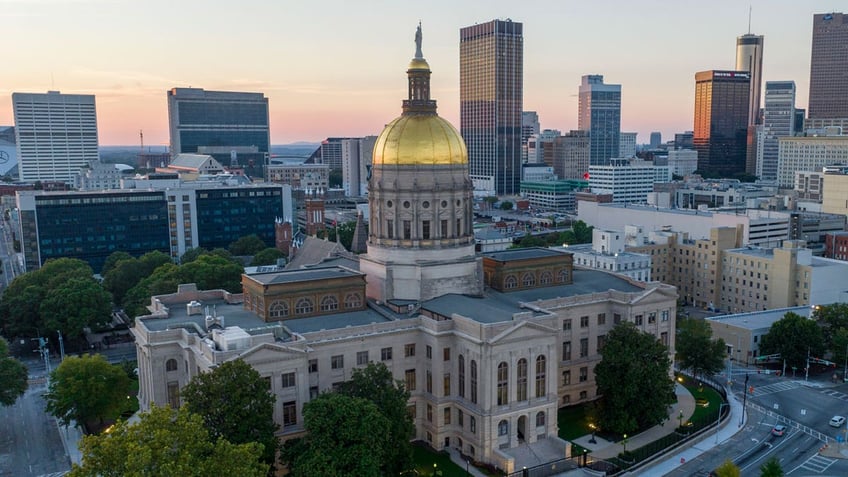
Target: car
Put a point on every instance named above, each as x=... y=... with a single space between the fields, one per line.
x=778 y=430
x=837 y=421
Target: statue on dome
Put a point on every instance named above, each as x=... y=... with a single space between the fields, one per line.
x=418 y=53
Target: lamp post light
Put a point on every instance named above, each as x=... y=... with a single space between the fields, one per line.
x=624 y=444
x=680 y=418
x=467 y=473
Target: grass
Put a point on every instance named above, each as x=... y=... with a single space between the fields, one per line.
x=707 y=400
x=573 y=422
x=424 y=458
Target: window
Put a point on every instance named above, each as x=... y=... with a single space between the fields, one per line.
x=409 y=350
x=521 y=382
x=584 y=374
x=289 y=414
x=616 y=318
x=461 y=368
x=446 y=384
x=546 y=278
x=601 y=341
x=329 y=303
x=583 y=395
x=664 y=338
x=390 y=228
x=474 y=381
x=503 y=427
x=352 y=301
x=337 y=362
x=566 y=351
x=664 y=314
x=584 y=321
x=428 y=352
x=386 y=354
x=446 y=415
x=503 y=384
x=288 y=380
x=313 y=392
x=541 y=383
x=174 y=394
x=566 y=377
x=361 y=358
x=303 y=306
x=446 y=354
x=429 y=413
x=407 y=230
x=410 y=379
x=638 y=320
x=540 y=419
x=428 y=381
x=652 y=317
x=584 y=347
x=528 y=279
x=278 y=309
x=460 y=418
x=602 y=319
x=425 y=230
x=313 y=365
x=411 y=411
x=566 y=325
x=171 y=365
x=510 y=282
x=472 y=424
x=444 y=228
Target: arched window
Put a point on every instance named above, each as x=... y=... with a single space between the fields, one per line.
x=510 y=282
x=503 y=428
x=461 y=377
x=304 y=306
x=329 y=303
x=546 y=278
x=474 y=381
x=279 y=309
x=521 y=390
x=563 y=275
x=528 y=279
x=540 y=376
x=171 y=365
x=540 y=419
x=353 y=300
x=503 y=384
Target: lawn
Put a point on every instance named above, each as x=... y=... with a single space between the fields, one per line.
x=424 y=458
x=573 y=422
x=706 y=398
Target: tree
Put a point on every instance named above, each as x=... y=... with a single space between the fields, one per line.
x=235 y=404
x=728 y=469
x=839 y=346
x=376 y=384
x=696 y=350
x=269 y=256
x=346 y=436
x=211 y=272
x=345 y=231
x=506 y=205
x=165 y=443
x=13 y=375
x=794 y=337
x=87 y=389
x=247 y=245
x=831 y=318
x=113 y=260
x=76 y=304
x=582 y=232
x=633 y=378
x=191 y=254
x=771 y=468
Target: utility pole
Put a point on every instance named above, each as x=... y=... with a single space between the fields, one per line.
x=61 y=347
x=45 y=354
x=807 y=369
x=845 y=374
x=744 y=401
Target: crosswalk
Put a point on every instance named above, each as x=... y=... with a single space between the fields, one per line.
x=835 y=394
x=816 y=463
x=775 y=388
x=54 y=474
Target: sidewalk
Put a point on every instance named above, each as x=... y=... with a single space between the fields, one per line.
x=71 y=437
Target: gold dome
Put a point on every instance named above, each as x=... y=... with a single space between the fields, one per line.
x=415 y=139
x=418 y=64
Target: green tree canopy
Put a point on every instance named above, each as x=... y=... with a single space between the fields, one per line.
x=346 y=436
x=506 y=205
x=269 y=256
x=696 y=350
x=582 y=232
x=87 y=389
x=728 y=469
x=247 y=245
x=13 y=375
x=166 y=443
x=235 y=404
x=211 y=272
x=128 y=272
x=793 y=336
x=771 y=468
x=633 y=378
x=113 y=260
x=76 y=304
x=376 y=384
x=345 y=231
x=832 y=318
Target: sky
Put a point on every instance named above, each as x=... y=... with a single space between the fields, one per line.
x=337 y=67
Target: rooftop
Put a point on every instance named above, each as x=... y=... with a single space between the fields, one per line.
x=303 y=275
x=760 y=319
x=233 y=314
x=521 y=254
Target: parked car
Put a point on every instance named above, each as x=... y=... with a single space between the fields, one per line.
x=778 y=430
x=837 y=421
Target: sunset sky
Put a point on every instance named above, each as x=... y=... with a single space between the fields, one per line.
x=337 y=68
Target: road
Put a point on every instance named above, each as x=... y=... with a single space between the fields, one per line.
x=30 y=444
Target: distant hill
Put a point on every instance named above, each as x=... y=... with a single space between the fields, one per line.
x=300 y=148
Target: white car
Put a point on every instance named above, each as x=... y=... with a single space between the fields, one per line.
x=837 y=421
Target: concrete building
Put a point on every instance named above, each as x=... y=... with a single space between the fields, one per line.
x=656 y=140
x=721 y=121
x=808 y=153
x=828 y=63
x=55 y=135
x=491 y=95
x=537 y=173
x=191 y=166
x=749 y=57
x=627 y=145
x=607 y=253
x=300 y=176
x=628 y=180
x=536 y=143
x=8 y=150
x=778 y=121
x=97 y=175
x=553 y=195
x=835 y=194
x=720 y=193
x=836 y=246
x=233 y=127
x=682 y=162
x=809 y=186
x=743 y=332
x=356 y=162
x=529 y=127
x=568 y=155
x=599 y=113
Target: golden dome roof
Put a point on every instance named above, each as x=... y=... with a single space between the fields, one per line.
x=419 y=139
x=418 y=64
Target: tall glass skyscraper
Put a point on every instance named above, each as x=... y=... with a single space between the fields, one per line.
x=721 y=121
x=232 y=127
x=491 y=95
x=778 y=121
x=829 y=67
x=599 y=112
x=749 y=57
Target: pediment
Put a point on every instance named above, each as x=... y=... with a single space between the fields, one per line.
x=656 y=295
x=524 y=330
x=271 y=352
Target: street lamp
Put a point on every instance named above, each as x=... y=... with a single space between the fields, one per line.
x=592 y=440
x=680 y=418
x=467 y=473
x=718 y=419
x=624 y=444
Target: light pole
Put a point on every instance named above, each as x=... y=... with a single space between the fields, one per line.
x=467 y=473
x=624 y=445
x=718 y=418
x=845 y=373
x=592 y=440
x=680 y=418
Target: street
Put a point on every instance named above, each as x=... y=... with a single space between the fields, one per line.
x=30 y=444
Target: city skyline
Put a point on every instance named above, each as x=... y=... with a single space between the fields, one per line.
x=335 y=74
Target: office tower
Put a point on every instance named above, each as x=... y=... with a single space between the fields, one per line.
x=828 y=66
x=356 y=161
x=56 y=134
x=568 y=155
x=721 y=121
x=230 y=126
x=491 y=88
x=684 y=140
x=599 y=112
x=778 y=121
x=656 y=139
x=529 y=127
x=800 y=114
x=626 y=145
x=749 y=57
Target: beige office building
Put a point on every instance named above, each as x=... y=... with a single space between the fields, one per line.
x=835 y=194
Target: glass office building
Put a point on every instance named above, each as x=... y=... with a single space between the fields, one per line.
x=721 y=121
x=599 y=113
x=226 y=215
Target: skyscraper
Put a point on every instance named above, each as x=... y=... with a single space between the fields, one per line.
x=599 y=112
x=491 y=89
x=749 y=57
x=56 y=134
x=230 y=126
x=829 y=67
x=529 y=126
x=656 y=139
x=721 y=121
x=778 y=121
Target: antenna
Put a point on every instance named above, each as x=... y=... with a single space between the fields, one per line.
x=749 y=18
x=141 y=137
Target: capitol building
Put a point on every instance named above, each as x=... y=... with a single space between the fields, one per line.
x=489 y=345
